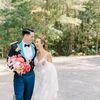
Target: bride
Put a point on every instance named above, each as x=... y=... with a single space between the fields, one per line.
x=46 y=85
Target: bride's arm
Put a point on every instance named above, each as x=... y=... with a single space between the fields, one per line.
x=49 y=57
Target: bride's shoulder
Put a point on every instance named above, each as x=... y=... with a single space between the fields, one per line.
x=47 y=53
x=49 y=56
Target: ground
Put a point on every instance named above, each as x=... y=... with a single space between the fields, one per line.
x=78 y=77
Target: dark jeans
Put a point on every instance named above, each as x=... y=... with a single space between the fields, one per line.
x=24 y=85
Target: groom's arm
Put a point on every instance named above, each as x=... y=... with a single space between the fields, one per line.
x=32 y=62
x=12 y=50
x=10 y=53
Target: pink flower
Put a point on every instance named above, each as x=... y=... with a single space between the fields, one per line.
x=18 y=62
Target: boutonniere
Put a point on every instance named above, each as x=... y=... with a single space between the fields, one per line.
x=17 y=49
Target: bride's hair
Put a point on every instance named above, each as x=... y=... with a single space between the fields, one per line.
x=43 y=42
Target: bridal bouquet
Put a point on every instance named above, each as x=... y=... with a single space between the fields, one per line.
x=17 y=63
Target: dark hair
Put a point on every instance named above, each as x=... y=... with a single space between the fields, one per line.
x=43 y=41
x=26 y=31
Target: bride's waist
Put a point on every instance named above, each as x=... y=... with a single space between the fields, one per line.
x=39 y=68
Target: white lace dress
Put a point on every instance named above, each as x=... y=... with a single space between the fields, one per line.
x=46 y=84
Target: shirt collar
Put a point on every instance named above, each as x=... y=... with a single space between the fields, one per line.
x=24 y=42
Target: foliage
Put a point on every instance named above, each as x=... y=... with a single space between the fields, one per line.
x=70 y=27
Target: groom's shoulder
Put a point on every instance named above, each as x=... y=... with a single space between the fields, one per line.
x=14 y=43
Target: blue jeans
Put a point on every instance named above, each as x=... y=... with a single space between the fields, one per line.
x=24 y=85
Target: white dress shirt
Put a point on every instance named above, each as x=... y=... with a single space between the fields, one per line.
x=27 y=51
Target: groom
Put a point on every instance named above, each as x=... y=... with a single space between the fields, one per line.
x=24 y=84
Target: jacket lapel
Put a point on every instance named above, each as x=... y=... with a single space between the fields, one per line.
x=20 y=45
x=33 y=50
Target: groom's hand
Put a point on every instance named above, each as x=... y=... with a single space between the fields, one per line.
x=19 y=71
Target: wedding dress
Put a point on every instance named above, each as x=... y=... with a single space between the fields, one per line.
x=46 y=84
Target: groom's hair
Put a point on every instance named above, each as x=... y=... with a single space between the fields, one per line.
x=27 y=31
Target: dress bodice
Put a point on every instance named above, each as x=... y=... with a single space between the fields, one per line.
x=40 y=63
